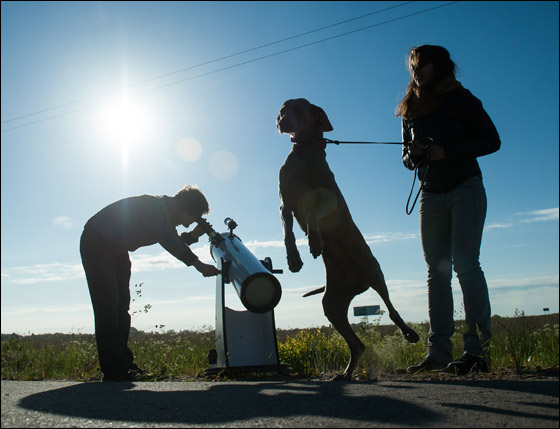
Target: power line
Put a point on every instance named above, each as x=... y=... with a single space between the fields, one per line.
x=234 y=65
x=298 y=47
x=208 y=62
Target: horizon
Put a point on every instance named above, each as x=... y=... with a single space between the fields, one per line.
x=162 y=331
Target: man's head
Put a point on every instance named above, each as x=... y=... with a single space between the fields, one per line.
x=191 y=202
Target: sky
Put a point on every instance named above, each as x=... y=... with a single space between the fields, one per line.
x=105 y=100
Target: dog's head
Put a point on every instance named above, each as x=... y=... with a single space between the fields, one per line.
x=302 y=120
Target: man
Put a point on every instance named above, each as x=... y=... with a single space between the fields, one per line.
x=108 y=236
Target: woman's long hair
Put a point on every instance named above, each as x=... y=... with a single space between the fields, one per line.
x=443 y=65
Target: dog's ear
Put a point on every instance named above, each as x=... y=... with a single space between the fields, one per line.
x=321 y=118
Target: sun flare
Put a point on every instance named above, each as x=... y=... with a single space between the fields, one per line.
x=126 y=122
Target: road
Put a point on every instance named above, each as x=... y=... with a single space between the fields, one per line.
x=293 y=403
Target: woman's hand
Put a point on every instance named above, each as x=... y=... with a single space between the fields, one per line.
x=432 y=152
x=416 y=149
x=436 y=153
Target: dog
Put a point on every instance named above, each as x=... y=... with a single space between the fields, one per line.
x=309 y=193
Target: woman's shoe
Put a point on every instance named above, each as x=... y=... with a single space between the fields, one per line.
x=427 y=365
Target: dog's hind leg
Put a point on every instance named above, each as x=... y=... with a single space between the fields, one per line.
x=379 y=285
x=335 y=305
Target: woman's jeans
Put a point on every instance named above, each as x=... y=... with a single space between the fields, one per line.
x=451 y=227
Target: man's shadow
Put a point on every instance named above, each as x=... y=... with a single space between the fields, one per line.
x=224 y=403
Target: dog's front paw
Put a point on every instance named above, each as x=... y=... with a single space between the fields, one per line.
x=295 y=264
x=294 y=261
x=316 y=244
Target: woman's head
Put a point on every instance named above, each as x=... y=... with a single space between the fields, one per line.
x=428 y=64
x=432 y=73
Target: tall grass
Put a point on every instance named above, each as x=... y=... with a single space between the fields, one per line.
x=519 y=343
x=55 y=356
x=524 y=343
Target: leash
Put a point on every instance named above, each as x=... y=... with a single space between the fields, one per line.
x=337 y=142
x=431 y=141
x=425 y=160
x=408 y=212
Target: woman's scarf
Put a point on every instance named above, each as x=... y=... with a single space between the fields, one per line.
x=425 y=100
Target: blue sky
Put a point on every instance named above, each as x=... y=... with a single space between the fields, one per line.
x=68 y=149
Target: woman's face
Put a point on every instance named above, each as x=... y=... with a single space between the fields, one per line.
x=423 y=73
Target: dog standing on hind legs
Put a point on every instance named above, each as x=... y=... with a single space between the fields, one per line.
x=309 y=193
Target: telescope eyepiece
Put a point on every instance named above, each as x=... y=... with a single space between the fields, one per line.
x=214 y=237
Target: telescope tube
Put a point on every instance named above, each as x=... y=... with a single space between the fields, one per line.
x=257 y=288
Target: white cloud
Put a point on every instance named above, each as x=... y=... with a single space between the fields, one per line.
x=197 y=312
x=60 y=272
x=45 y=273
x=26 y=311
x=383 y=237
x=386 y=237
x=63 y=222
x=535 y=216
x=541 y=215
x=522 y=283
x=497 y=226
x=254 y=244
x=162 y=261
x=144 y=262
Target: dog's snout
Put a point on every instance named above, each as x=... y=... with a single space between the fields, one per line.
x=285 y=123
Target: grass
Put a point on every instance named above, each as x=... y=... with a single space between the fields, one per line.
x=520 y=343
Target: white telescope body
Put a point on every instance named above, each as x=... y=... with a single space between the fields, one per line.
x=257 y=288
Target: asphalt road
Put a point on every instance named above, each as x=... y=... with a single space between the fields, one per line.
x=293 y=403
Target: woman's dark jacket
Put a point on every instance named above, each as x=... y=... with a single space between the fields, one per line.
x=462 y=126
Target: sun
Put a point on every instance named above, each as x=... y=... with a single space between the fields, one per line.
x=126 y=122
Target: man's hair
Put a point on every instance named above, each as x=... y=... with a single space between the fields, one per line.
x=190 y=200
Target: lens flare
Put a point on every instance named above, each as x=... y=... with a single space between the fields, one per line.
x=223 y=165
x=189 y=149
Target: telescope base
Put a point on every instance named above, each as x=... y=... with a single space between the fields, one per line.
x=244 y=339
x=241 y=370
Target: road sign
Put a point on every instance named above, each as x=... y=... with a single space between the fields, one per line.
x=368 y=310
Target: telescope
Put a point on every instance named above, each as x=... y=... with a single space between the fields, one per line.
x=252 y=279
x=245 y=340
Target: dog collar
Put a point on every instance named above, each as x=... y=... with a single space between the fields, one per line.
x=315 y=144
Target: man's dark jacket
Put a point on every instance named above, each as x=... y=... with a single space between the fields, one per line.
x=141 y=221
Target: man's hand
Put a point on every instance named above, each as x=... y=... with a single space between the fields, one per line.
x=198 y=231
x=205 y=269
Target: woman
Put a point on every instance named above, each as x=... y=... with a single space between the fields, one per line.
x=445 y=128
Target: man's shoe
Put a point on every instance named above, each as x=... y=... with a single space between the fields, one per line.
x=129 y=376
x=427 y=365
x=134 y=367
x=466 y=364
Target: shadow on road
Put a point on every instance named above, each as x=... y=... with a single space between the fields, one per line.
x=224 y=403
x=541 y=387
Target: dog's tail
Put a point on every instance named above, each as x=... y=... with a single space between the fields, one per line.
x=315 y=292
